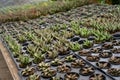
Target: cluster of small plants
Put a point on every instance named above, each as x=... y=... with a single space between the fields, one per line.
x=45 y=53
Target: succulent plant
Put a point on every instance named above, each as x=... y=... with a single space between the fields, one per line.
x=70 y=58
x=48 y=73
x=52 y=54
x=43 y=65
x=84 y=53
x=56 y=78
x=34 y=77
x=71 y=76
x=38 y=57
x=97 y=77
x=63 y=50
x=103 y=65
x=86 y=71
x=56 y=62
x=115 y=60
x=28 y=71
x=87 y=44
x=105 y=54
x=22 y=38
x=93 y=58
x=78 y=63
x=114 y=72
x=24 y=61
x=63 y=68
x=75 y=46
x=32 y=49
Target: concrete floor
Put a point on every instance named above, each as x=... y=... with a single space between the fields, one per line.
x=4 y=71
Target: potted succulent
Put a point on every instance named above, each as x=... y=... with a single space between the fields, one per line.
x=70 y=58
x=51 y=54
x=116 y=43
x=22 y=38
x=48 y=73
x=64 y=68
x=84 y=53
x=28 y=71
x=87 y=44
x=63 y=50
x=56 y=62
x=93 y=58
x=97 y=77
x=114 y=72
x=103 y=65
x=107 y=46
x=85 y=71
x=42 y=66
x=71 y=76
x=33 y=77
x=24 y=61
x=78 y=63
x=38 y=57
x=75 y=46
x=116 y=50
x=105 y=54
x=56 y=78
x=115 y=60
x=96 y=50
x=31 y=49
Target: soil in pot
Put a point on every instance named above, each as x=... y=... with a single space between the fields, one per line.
x=97 y=77
x=76 y=38
x=103 y=65
x=63 y=68
x=81 y=41
x=71 y=76
x=105 y=54
x=93 y=58
x=115 y=60
x=85 y=71
x=114 y=72
x=78 y=63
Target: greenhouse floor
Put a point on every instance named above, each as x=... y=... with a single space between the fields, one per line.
x=4 y=71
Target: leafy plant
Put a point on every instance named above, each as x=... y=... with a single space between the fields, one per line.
x=38 y=57
x=75 y=46
x=21 y=38
x=43 y=65
x=28 y=71
x=87 y=44
x=24 y=61
x=70 y=58
x=52 y=54
x=33 y=77
x=32 y=49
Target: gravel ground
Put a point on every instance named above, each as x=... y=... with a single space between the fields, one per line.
x=88 y=11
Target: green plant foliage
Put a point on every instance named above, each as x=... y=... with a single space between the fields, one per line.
x=75 y=46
